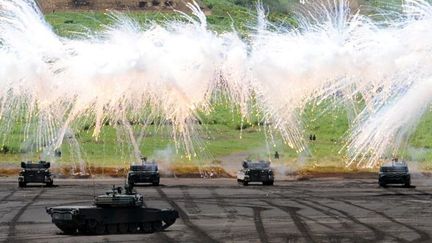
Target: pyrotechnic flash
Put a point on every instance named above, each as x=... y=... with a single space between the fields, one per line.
x=168 y=72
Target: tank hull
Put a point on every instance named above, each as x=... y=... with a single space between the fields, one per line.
x=97 y=220
x=35 y=173
x=143 y=177
x=263 y=176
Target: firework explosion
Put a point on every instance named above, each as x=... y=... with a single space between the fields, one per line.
x=170 y=72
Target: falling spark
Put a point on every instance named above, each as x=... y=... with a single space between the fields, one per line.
x=172 y=70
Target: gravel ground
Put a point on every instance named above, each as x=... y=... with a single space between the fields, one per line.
x=220 y=210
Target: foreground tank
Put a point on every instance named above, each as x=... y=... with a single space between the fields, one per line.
x=113 y=213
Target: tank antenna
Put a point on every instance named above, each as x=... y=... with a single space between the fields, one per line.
x=94 y=188
x=125 y=176
x=94 y=184
x=126 y=173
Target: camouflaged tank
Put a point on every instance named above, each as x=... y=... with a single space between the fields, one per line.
x=115 y=212
x=394 y=172
x=255 y=172
x=35 y=173
x=144 y=173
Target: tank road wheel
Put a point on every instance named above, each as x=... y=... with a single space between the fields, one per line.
x=68 y=230
x=146 y=228
x=82 y=229
x=93 y=227
x=99 y=229
x=123 y=228
x=157 y=226
x=112 y=228
x=133 y=227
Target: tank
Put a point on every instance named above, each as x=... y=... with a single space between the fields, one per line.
x=146 y=172
x=394 y=172
x=112 y=213
x=255 y=172
x=35 y=173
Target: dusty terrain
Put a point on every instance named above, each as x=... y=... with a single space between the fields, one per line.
x=220 y=210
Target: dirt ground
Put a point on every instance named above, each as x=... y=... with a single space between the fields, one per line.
x=220 y=210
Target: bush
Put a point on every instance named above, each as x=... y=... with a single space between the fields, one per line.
x=243 y=3
x=4 y=149
x=243 y=126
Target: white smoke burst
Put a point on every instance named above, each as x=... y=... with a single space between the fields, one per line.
x=169 y=72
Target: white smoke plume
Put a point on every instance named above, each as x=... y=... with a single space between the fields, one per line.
x=171 y=71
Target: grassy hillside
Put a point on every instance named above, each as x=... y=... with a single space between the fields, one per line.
x=220 y=132
x=220 y=137
x=225 y=15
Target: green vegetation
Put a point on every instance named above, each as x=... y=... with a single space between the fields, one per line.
x=220 y=137
x=329 y=127
x=78 y=24
x=220 y=133
x=225 y=15
x=419 y=145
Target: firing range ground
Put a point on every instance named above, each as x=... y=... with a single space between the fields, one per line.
x=220 y=210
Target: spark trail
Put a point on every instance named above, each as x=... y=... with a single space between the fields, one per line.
x=171 y=71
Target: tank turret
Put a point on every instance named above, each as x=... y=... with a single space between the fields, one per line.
x=115 y=199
